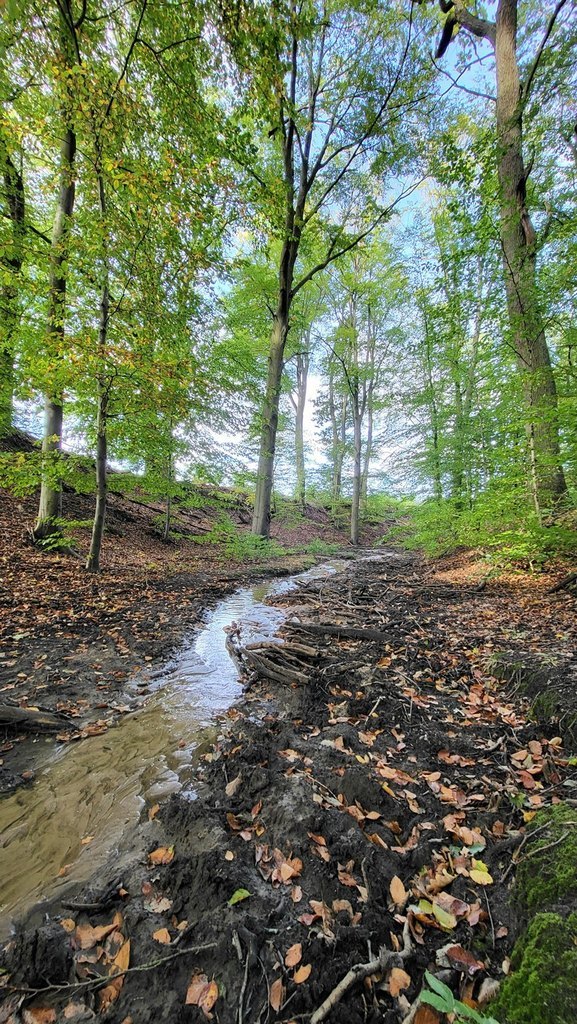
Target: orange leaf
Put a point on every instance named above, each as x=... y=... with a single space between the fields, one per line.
x=277 y=994
x=294 y=955
x=302 y=974
x=399 y=894
x=163 y=855
x=163 y=936
x=398 y=981
x=202 y=993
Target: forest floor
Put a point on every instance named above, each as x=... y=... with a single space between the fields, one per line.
x=366 y=804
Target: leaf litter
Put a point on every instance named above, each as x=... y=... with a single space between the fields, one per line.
x=378 y=807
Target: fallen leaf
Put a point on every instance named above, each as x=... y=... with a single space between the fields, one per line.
x=294 y=955
x=163 y=936
x=238 y=896
x=398 y=981
x=86 y=840
x=163 y=855
x=86 y=936
x=153 y=811
x=202 y=993
x=39 y=1015
x=233 y=786
x=277 y=994
x=302 y=974
x=399 y=894
x=229 y=855
x=480 y=873
x=68 y=924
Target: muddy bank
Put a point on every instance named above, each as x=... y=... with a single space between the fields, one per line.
x=378 y=801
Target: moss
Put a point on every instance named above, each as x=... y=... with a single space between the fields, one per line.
x=544 y=707
x=548 y=880
x=543 y=986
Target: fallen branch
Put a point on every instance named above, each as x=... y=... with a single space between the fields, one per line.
x=95 y=983
x=266 y=667
x=386 y=959
x=348 y=632
x=31 y=721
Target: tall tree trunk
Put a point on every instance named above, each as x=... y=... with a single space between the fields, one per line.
x=299 y=407
x=93 y=560
x=9 y=298
x=518 y=241
x=357 y=457
x=50 y=506
x=368 y=448
x=264 y=480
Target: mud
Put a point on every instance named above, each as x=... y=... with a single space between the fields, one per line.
x=403 y=759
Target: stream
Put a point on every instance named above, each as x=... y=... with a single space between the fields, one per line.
x=56 y=833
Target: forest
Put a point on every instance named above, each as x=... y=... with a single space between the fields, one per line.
x=287 y=294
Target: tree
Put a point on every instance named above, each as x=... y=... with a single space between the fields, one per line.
x=518 y=234
x=331 y=81
x=69 y=60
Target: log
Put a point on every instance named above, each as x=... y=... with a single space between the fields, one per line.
x=348 y=632
x=31 y=721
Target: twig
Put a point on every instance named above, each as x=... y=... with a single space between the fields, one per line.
x=95 y=983
x=384 y=961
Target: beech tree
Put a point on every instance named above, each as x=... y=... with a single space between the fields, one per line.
x=331 y=81
x=519 y=237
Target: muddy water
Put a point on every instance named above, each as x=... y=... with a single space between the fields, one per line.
x=99 y=787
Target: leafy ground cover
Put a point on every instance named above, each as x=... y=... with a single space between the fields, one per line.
x=359 y=822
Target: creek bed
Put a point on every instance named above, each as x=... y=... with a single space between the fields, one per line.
x=57 y=833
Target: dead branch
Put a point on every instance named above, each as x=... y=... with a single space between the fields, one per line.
x=386 y=959
x=31 y=721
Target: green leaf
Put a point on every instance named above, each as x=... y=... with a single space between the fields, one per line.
x=432 y=999
x=442 y=989
x=240 y=894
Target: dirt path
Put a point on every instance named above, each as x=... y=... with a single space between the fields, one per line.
x=370 y=793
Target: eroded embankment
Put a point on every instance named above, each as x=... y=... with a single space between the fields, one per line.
x=372 y=792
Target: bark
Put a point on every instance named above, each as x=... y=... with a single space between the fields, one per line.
x=299 y=403
x=9 y=304
x=50 y=505
x=357 y=456
x=93 y=560
x=518 y=243
x=338 y=417
x=518 y=240
x=264 y=482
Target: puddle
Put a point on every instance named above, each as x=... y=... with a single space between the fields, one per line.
x=98 y=787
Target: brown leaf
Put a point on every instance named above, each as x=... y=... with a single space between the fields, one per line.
x=108 y=995
x=86 y=936
x=163 y=855
x=202 y=993
x=68 y=924
x=302 y=974
x=153 y=811
x=294 y=955
x=233 y=786
x=39 y=1015
x=163 y=936
x=399 y=894
x=398 y=981
x=426 y=1015
x=277 y=994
